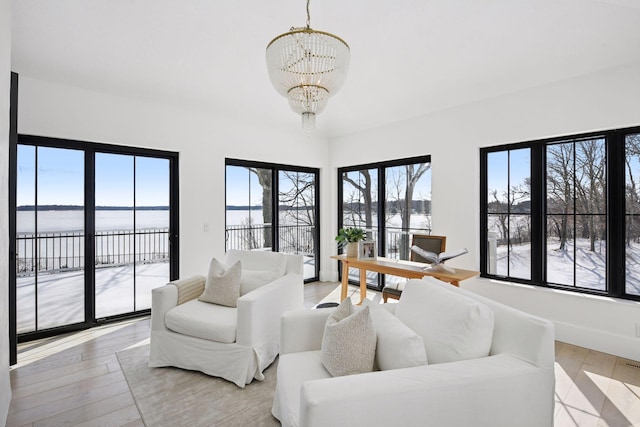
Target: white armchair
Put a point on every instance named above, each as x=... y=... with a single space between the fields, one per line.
x=512 y=385
x=234 y=343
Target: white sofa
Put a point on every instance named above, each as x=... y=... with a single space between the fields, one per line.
x=511 y=386
x=234 y=343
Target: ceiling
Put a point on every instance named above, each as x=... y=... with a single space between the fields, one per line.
x=408 y=57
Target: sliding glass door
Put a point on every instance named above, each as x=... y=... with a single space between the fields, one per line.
x=391 y=201
x=273 y=207
x=132 y=231
x=50 y=263
x=95 y=231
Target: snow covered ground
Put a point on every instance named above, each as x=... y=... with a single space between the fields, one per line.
x=590 y=266
x=60 y=297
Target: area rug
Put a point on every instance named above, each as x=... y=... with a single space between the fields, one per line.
x=177 y=397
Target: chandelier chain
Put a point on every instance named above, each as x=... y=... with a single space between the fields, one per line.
x=308 y=16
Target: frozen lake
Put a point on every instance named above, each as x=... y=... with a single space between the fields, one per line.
x=106 y=220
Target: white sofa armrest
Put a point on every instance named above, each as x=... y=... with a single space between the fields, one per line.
x=500 y=390
x=259 y=311
x=302 y=330
x=163 y=299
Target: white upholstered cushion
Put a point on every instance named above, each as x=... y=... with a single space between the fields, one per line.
x=223 y=285
x=349 y=341
x=253 y=279
x=397 y=346
x=258 y=267
x=203 y=320
x=452 y=326
x=259 y=260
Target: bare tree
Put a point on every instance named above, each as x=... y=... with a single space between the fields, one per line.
x=403 y=182
x=298 y=198
x=560 y=179
x=499 y=211
x=590 y=187
x=361 y=196
x=297 y=203
x=266 y=182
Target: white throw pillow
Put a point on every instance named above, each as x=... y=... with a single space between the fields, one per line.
x=397 y=346
x=453 y=326
x=349 y=341
x=222 y=286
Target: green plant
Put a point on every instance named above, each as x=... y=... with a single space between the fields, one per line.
x=349 y=235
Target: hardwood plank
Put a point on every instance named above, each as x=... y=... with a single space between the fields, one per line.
x=45 y=396
x=20 y=378
x=88 y=412
x=35 y=388
x=122 y=417
x=76 y=401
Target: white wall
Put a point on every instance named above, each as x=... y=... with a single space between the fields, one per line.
x=203 y=141
x=605 y=100
x=5 y=72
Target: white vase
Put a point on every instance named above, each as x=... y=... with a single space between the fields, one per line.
x=352 y=249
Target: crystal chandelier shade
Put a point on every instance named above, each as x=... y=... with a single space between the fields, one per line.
x=307 y=67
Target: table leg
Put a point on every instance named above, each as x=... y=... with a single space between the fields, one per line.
x=363 y=285
x=345 y=281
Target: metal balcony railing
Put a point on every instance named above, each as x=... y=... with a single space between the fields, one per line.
x=296 y=239
x=64 y=251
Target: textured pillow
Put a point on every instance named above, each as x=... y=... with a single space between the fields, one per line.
x=222 y=286
x=349 y=341
x=453 y=326
x=397 y=345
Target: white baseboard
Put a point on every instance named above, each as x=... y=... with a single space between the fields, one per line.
x=606 y=342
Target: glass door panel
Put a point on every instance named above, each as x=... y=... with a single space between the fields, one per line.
x=249 y=208
x=50 y=238
x=114 y=236
x=297 y=217
x=152 y=193
x=360 y=209
x=407 y=209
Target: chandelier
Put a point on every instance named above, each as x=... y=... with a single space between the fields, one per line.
x=307 y=67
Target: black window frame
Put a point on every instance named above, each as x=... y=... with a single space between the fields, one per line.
x=276 y=168
x=381 y=202
x=615 y=212
x=89 y=149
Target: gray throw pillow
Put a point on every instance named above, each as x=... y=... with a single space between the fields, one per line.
x=222 y=286
x=349 y=341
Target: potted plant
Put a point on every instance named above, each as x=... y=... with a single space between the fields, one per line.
x=349 y=237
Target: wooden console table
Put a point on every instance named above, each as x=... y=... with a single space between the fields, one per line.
x=408 y=269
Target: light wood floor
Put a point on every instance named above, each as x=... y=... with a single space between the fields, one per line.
x=76 y=380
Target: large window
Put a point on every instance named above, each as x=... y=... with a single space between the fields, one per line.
x=391 y=201
x=94 y=230
x=564 y=213
x=273 y=207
